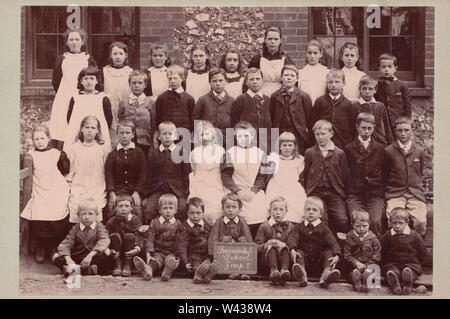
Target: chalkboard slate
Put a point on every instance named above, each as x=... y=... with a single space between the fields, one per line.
x=236 y=258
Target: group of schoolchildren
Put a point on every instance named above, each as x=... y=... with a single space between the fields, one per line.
x=111 y=189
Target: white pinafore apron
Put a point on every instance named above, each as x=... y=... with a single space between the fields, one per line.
x=272 y=74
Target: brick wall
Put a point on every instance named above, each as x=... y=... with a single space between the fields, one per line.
x=429 y=47
x=294 y=25
x=157 y=25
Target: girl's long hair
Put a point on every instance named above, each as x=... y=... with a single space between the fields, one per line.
x=98 y=136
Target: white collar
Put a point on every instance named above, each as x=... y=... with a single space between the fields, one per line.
x=179 y=90
x=314 y=223
x=405 y=231
x=191 y=224
x=272 y=221
x=93 y=225
x=129 y=216
x=252 y=94
x=364 y=143
x=334 y=97
x=131 y=145
x=162 y=220
x=171 y=147
x=221 y=95
x=226 y=220
x=329 y=147
x=406 y=146
x=365 y=235
x=362 y=101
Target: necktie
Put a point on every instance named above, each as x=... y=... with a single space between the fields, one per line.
x=259 y=100
x=197 y=226
x=387 y=78
x=284 y=224
x=310 y=227
x=133 y=98
x=86 y=231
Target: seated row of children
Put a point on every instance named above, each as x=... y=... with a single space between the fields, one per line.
x=285 y=250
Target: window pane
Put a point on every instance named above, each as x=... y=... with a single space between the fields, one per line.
x=348 y=20
x=113 y=20
x=123 y=20
x=44 y=19
x=402 y=48
x=328 y=51
x=377 y=46
x=384 y=24
x=101 y=19
x=403 y=20
x=323 y=21
x=45 y=52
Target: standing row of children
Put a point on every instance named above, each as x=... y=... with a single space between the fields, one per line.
x=374 y=170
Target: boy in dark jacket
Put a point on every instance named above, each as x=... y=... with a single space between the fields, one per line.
x=314 y=248
x=325 y=176
x=86 y=243
x=403 y=252
x=192 y=243
x=361 y=250
x=290 y=109
x=365 y=188
x=392 y=92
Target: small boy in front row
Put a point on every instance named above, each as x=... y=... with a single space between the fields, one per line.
x=314 y=249
x=403 y=252
x=123 y=230
x=160 y=241
x=230 y=228
x=325 y=176
x=271 y=239
x=403 y=165
x=192 y=243
x=86 y=244
x=361 y=250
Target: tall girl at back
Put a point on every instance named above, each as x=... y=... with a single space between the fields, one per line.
x=67 y=67
x=197 y=80
x=272 y=60
x=232 y=63
x=47 y=208
x=88 y=101
x=115 y=80
x=349 y=62
x=312 y=78
x=157 y=82
x=87 y=166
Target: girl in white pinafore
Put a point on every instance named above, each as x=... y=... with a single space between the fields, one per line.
x=88 y=102
x=239 y=171
x=116 y=87
x=64 y=81
x=284 y=182
x=231 y=62
x=312 y=79
x=87 y=167
x=197 y=80
x=272 y=60
x=47 y=207
x=205 y=180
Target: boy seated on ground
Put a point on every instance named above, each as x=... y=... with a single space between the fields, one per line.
x=160 y=241
x=123 y=228
x=403 y=252
x=192 y=243
x=86 y=244
x=314 y=249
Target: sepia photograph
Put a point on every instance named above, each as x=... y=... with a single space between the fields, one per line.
x=233 y=151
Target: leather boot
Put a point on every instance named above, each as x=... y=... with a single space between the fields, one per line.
x=201 y=271
x=393 y=282
x=408 y=279
x=328 y=276
x=275 y=275
x=170 y=265
x=213 y=269
x=141 y=266
x=117 y=263
x=356 y=280
x=299 y=274
x=126 y=270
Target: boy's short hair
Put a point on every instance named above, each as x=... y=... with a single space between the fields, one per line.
x=289 y=67
x=215 y=71
x=322 y=124
x=367 y=80
x=399 y=212
x=177 y=69
x=233 y=197
x=196 y=202
x=86 y=203
x=278 y=199
x=361 y=215
x=126 y=123
x=333 y=74
x=365 y=117
x=403 y=119
x=167 y=198
x=166 y=123
x=122 y=198
x=387 y=56
x=316 y=201
x=136 y=73
x=254 y=70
